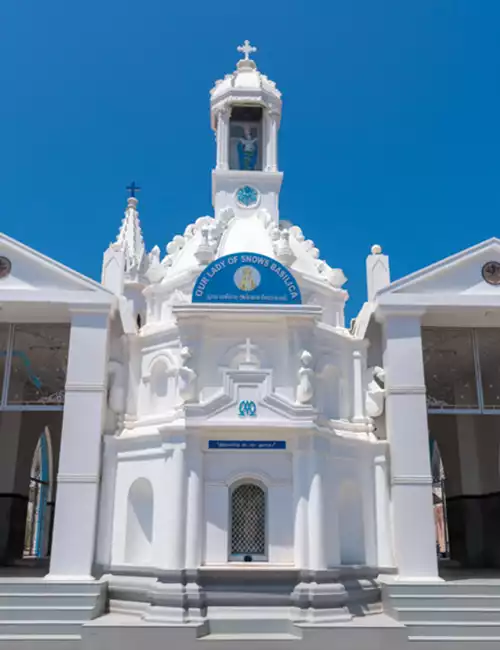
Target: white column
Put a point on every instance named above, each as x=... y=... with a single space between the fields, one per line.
x=194 y=516
x=382 y=505
x=358 y=388
x=223 y=138
x=300 y=494
x=174 y=508
x=316 y=513
x=75 y=522
x=272 y=143
x=407 y=432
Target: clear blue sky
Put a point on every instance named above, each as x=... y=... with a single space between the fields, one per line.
x=390 y=130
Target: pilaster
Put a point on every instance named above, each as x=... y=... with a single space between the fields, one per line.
x=316 y=513
x=300 y=499
x=407 y=431
x=80 y=457
x=194 y=510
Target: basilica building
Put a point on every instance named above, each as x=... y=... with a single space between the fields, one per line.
x=199 y=450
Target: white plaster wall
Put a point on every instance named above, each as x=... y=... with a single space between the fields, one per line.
x=127 y=472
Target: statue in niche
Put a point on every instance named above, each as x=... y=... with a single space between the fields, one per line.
x=187 y=379
x=305 y=386
x=375 y=394
x=116 y=394
x=247 y=149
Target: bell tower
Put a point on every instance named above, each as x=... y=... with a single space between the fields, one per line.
x=245 y=111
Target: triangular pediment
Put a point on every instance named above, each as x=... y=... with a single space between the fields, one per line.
x=459 y=274
x=33 y=272
x=247 y=399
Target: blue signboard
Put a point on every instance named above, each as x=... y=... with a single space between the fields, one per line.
x=247 y=444
x=247 y=278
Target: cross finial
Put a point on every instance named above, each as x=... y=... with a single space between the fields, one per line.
x=246 y=49
x=133 y=188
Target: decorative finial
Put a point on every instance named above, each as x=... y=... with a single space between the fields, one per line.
x=132 y=189
x=376 y=249
x=246 y=49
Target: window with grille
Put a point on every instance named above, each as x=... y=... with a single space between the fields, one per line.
x=248 y=520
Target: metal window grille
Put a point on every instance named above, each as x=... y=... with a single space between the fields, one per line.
x=248 y=520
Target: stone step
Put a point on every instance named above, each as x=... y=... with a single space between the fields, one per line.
x=408 y=615
x=22 y=612
x=34 y=628
x=32 y=586
x=454 y=630
x=439 y=601
x=46 y=599
x=40 y=642
x=468 y=588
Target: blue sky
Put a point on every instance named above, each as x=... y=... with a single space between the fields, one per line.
x=390 y=130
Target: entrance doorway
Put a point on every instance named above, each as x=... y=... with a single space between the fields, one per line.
x=40 y=510
x=462 y=374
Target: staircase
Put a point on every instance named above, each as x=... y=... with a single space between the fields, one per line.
x=458 y=614
x=47 y=615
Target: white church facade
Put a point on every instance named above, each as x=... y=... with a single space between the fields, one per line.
x=199 y=450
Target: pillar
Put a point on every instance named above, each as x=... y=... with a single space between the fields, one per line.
x=271 y=140
x=194 y=511
x=223 y=138
x=300 y=494
x=407 y=432
x=382 y=508
x=75 y=520
x=358 y=387
x=316 y=513
x=171 y=524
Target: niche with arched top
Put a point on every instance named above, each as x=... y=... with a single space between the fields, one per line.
x=139 y=530
x=351 y=524
x=328 y=391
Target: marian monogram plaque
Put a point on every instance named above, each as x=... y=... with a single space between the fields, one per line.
x=247 y=278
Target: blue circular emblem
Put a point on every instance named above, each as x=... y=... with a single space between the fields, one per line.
x=247 y=196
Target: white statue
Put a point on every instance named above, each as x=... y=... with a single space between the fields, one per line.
x=187 y=379
x=116 y=387
x=375 y=394
x=247 y=149
x=305 y=386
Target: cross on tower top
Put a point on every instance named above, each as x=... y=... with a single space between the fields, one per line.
x=246 y=49
x=133 y=188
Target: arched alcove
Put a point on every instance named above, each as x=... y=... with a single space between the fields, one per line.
x=351 y=524
x=139 y=530
x=328 y=390
x=39 y=514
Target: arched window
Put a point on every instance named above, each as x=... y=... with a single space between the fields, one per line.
x=40 y=501
x=248 y=522
x=439 y=501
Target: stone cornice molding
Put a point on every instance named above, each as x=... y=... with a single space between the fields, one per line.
x=385 y=312
x=261 y=312
x=406 y=390
x=90 y=308
x=77 y=478
x=75 y=387
x=412 y=479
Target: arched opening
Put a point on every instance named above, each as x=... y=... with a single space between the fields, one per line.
x=40 y=509
x=139 y=532
x=248 y=538
x=439 y=501
x=245 y=138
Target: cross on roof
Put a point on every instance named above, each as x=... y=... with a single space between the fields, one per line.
x=246 y=49
x=133 y=188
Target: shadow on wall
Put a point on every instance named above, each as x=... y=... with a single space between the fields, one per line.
x=139 y=532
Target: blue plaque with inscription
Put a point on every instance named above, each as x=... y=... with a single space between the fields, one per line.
x=247 y=278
